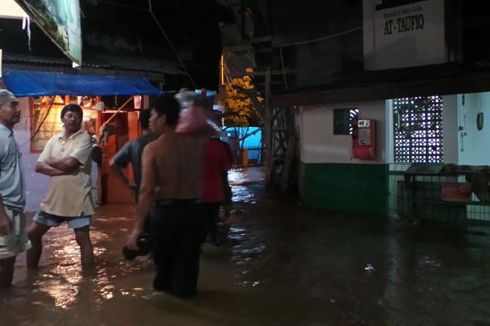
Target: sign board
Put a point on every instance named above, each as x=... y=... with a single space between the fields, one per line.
x=60 y=20
x=10 y=9
x=403 y=33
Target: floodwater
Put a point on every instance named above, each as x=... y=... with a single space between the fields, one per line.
x=280 y=266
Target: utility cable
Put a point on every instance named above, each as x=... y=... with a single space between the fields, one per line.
x=171 y=45
x=323 y=38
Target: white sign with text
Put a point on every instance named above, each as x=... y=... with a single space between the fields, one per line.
x=403 y=33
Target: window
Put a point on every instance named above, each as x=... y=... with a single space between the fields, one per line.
x=45 y=120
x=343 y=120
x=417 y=128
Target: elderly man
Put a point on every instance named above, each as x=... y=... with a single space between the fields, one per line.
x=13 y=237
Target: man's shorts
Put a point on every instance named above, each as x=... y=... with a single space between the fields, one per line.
x=52 y=220
x=15 y=242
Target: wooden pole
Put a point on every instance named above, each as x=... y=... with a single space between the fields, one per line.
x=267 y=129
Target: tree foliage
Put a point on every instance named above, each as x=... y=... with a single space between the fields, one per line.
x=243 y=105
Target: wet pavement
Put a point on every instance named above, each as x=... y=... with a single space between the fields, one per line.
x=280 y=265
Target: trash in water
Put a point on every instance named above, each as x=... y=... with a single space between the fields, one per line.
x=369 y=268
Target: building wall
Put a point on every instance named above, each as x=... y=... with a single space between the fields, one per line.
x=474 y=144
x=319 y=144
x=330 y=178
x=36 y=184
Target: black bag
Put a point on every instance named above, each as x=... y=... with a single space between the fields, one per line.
x=143 y=248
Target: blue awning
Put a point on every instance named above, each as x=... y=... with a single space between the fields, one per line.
x=25 y=83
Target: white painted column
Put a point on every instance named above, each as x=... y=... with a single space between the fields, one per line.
x=390 y=146
x=450 y=128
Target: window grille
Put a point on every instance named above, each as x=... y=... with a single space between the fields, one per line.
x=417 y=128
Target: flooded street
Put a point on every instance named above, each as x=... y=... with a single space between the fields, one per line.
x=279 y=266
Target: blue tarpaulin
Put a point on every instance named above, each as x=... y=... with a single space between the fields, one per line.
x=25 y=83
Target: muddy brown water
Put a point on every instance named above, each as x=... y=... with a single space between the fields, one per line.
x=280 y=266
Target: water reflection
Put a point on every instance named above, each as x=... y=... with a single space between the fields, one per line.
x=240 y=179
x=279 y=266
x=246 y=251
x=369 y=268
x=242 y=194
x=63 y=294
x=240 y=176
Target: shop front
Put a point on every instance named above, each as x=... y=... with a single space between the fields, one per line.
x=111 y=107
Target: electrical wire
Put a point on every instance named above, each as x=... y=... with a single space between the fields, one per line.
x=160 y=27
x=174 y=50
x=323 y=38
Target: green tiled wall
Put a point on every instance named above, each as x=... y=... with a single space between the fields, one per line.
x=350 y=188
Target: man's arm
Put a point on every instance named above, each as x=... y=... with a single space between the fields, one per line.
x=46 y=169
x=43 y=166
x=145 y=197
x=119 y=161
x=80 y=156
x=4 y=219
x=67 y=165
x=117 y=171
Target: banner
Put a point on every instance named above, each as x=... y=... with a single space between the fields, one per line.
x=403 y=33
x=60 y=20
x=10 y=9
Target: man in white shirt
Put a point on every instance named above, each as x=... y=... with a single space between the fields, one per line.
x=66 y=159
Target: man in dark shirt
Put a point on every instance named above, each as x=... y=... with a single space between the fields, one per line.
x=131 y=153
